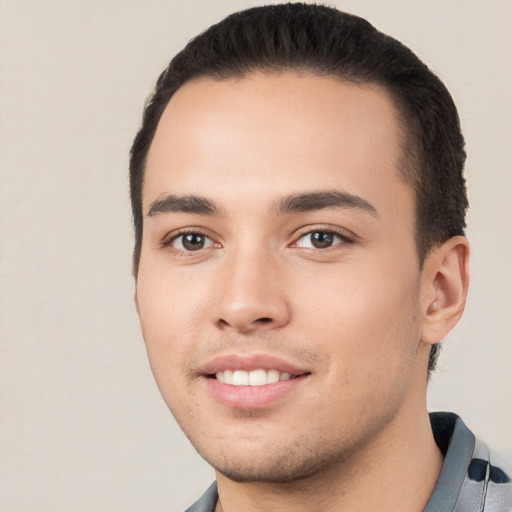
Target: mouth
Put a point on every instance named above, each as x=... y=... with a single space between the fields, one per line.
x=252 y=382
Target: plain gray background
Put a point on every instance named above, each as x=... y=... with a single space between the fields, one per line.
x=83 y=427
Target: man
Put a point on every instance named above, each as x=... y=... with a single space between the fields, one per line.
x=299 y=208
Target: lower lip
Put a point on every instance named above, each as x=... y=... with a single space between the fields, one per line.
x=252 y=397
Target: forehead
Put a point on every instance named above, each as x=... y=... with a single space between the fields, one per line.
x=274 y=133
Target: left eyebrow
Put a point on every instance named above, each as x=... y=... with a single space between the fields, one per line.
x=183 y=204
x=311 y=201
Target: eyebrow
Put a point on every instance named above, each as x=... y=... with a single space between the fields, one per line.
x=183 y=204
x=294 y=203
x=312 y=201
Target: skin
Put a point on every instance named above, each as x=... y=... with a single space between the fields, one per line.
x=359 y=316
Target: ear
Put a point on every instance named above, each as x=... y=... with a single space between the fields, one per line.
x=445 y=280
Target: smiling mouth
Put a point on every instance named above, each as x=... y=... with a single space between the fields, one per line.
x=258 y=377
x=241 y=383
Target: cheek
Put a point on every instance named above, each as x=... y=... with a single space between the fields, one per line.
x=365 y=320
x=168 y=316
x=168 y=300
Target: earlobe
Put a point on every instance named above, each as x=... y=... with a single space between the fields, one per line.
x=445 y=281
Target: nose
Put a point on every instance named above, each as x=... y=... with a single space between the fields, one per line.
x=251 y=295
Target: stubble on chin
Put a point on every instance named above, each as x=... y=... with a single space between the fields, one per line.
x=297 y=460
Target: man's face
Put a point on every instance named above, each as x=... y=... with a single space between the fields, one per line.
x=279 y=239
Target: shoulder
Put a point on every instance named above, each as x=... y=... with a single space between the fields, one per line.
x=473 y=478
x=498 y=479
x=207 y=502
x=488 y=480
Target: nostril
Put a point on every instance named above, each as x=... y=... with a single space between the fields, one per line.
x=264 y=320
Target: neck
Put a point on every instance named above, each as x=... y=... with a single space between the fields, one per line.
x=397 y=470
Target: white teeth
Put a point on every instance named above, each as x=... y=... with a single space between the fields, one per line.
x=240 y=378
x=225 y=376
x=272 y=376
x=258 y=377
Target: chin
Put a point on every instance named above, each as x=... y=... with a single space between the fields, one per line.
x=274 y=473
x=274 y=465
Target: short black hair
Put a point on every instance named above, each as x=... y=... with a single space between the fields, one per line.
x=327 y=42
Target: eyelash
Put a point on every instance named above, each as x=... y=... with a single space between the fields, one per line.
x=342 y=234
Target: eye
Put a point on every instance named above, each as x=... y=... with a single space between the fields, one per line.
x=191 y=242
x=320 y=240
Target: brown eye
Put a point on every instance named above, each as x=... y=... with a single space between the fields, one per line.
x=191 y=242
x=321 y=239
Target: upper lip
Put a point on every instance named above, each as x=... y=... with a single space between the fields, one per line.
x=249 y=362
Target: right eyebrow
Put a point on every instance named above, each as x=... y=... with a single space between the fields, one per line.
x=183 y=204
x=311 y=201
